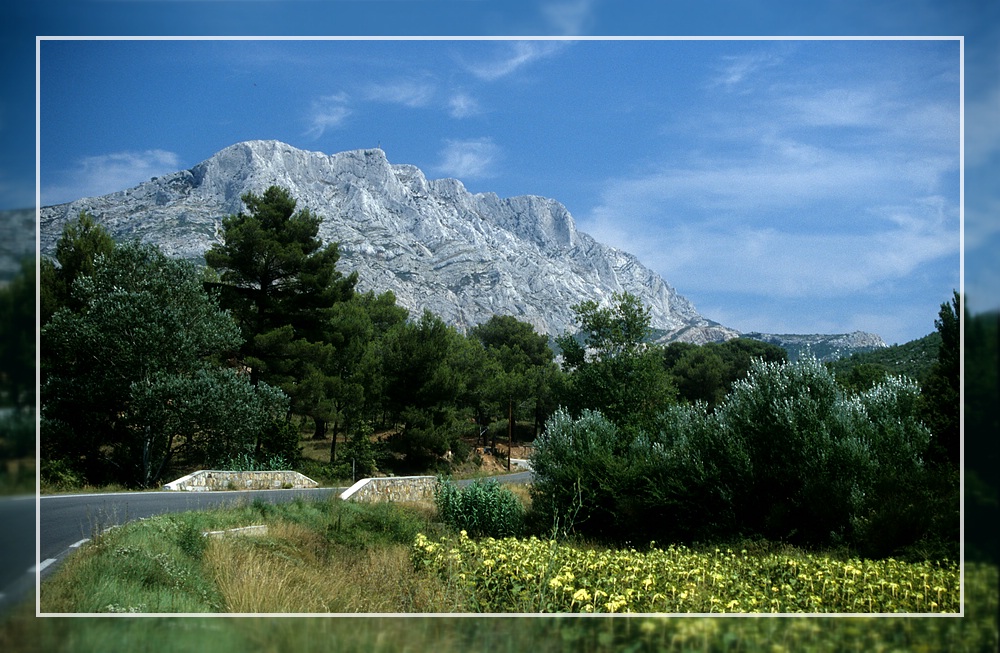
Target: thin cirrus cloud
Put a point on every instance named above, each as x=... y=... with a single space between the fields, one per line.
x=781 y=263
x=468 y=159
x=733 y=71
x=514 y=56
x=329 y=111
x=408 y=93
x=99 y=175
x=804 y=219
x=463 y=105
x=569 y=16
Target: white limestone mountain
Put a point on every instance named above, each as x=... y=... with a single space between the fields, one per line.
x=434 y=244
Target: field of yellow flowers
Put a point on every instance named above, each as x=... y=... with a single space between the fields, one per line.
x=533 y=575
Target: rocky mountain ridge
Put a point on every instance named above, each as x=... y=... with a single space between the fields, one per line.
x=434 y=244
x=823 y=346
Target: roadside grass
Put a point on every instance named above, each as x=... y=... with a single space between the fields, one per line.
x=316 y=556
x=974 y=633
x=346 y=557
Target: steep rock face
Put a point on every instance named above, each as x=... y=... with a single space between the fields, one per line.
x=437 y=246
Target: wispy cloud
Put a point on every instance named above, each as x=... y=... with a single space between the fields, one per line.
x=462 y=105
x=468 y=159
x=732 y=71
x=706 y=255
x=836 y=107
x=569 y=16
x=408 y=93
x=513 y=57
x=329 y=111
x=99 y=175
x=780 y=216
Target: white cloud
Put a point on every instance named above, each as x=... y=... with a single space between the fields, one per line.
x=516 y=55
x=327 y=112
x=569 y=16
x=784 y=175
x=780 y=228
x=837 y=107
x=732 y=71
x=107 y=173
x=405 y=92
x=468 y=159
x=462 y=105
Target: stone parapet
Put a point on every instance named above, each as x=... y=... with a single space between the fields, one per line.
x=205 y=480
x=392 y=488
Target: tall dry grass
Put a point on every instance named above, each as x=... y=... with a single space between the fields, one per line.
x=295 y=570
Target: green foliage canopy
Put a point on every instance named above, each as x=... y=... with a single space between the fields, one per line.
x=130 y=374
x=614 y=370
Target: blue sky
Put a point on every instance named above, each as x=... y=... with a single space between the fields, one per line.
x=781 y=185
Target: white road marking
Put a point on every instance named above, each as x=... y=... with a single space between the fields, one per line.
x=45 y=563
x=80 y=543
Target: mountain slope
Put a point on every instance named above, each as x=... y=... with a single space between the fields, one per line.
x=434 y=244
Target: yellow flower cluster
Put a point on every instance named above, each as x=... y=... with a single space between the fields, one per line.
x=533 y=575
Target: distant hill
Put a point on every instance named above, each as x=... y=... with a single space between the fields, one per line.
x=825 y=347
x=913 y=359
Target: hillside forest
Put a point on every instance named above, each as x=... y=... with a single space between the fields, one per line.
x=152 y=367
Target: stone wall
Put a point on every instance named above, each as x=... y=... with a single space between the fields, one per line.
x=392 y=488
x=209 y=479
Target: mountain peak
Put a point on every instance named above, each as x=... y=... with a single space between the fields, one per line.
x=436 y=245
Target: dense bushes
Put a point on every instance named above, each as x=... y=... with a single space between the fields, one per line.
x=482 y=509
x=787 y=456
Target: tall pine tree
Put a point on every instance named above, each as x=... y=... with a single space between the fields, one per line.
x=281 y=282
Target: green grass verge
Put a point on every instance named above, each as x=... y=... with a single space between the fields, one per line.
x=160 y=565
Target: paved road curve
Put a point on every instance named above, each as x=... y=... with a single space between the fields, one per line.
x=66 y=522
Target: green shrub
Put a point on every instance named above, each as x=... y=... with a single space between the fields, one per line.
x=788 y=456
x=482 y=509
x=246 y=461
x=190 y=540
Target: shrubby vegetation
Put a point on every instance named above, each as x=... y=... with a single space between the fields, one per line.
x=678 y=443
x=787 y=456
x=127 y=378
x=481 y=509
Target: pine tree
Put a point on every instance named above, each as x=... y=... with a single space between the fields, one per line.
x=281 y=283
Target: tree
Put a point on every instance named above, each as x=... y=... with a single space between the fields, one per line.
x=79 y=246
x=521 y=368
x=701 y=375
x=614 y=370
x=17 y=338
x=428 y=368
x=131 y=377
x=786 y=456
x=940 y=396
x=707 y=372
x=281 y=283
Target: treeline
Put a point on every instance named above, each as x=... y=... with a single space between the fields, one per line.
x=787 y=452
x=154 y=366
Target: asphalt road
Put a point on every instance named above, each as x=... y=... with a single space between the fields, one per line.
x=17 y=549
x=66 y=522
